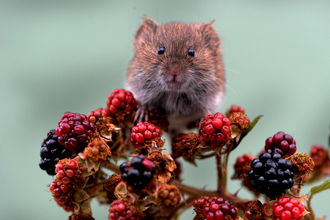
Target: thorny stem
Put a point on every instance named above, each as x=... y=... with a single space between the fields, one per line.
x=309 y=206
x=202 y=192
x=112 y=167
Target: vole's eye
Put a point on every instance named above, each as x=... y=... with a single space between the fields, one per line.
x=161 y=50
x=191 y=52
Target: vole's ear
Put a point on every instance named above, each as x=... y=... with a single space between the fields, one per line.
x=148 y=26
x=210 y=35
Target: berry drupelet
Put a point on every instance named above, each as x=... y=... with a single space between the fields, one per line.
x=138 y=173
x=51 y=152
x=271 y=174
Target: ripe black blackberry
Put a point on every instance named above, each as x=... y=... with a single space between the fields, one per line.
x=271 y=174
x=138 y=173
x=51 y=152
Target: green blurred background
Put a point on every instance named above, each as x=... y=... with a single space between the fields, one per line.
x=59 y=56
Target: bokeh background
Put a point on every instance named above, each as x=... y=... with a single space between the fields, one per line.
x=59 y=56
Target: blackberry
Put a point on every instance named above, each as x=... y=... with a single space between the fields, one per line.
x=142 y=132
x=121 y=100
x=138 y=173
x=215 y=129
x=214 y=208
x=288 y=209
x=281 y=143
x=74 y=130
x=271 y=174
x=51 y=152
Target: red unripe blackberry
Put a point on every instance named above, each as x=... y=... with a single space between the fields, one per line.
x=51 y=152
x=215 y=129
x=168 y=196
x=286 y=208
x=62 y=194
x=234 y=108
x=214 y=208
x=121 y=100
x=122 y=209
x=73 y=131
x=281 y=143
x=138 y=173
x=319 y=154
x=242 y=164
x=142 y=132
x=98 y=113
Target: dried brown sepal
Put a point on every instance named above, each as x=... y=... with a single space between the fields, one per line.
x=234 y=108
x=239 y=119
x=148 y=145
x=110 y=185
x=165 y=165
x=254 y=210
x=104 y=124
x=97 y=151
x=302 y=166
x=168 y=196
x=158 y=118
x=75 y=216
x=124 y=117
x=185 y=144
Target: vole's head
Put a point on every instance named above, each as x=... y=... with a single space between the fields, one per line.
x=176 y=57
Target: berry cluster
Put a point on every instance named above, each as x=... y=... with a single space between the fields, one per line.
x=93 y=116
x=281 y=143
x=242 y=164
x=319 y=155
x=66 y=172
x=287 y=209
x=158 y=117
x=122 y=209
x=142 y=132
x=168 y=196
x=215 y=129
x=62 y=194
x=51 y=152
x=97 y=151
x=234 y=108
x=121 y=100
x=271 y=174
x=213 y=208
x=73 y=131
x=138 y=173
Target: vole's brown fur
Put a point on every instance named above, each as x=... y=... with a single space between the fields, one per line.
x=187 y=87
